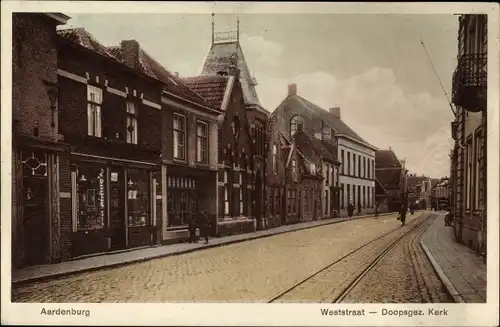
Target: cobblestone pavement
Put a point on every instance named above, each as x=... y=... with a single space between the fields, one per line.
x=404 y=275
x=252 y=271
x=329 y=284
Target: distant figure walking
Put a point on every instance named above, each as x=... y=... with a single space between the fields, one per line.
x=192 y=231
x=359 y=208
x=402 y=214
x=350 y=209
x=204 y=223
x=376 y=209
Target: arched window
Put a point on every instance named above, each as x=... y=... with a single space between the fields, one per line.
x=296 y=124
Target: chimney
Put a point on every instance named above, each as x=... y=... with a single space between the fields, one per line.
x=176 y=74
x=335 y=111
x=130 y=52
x=292 y=89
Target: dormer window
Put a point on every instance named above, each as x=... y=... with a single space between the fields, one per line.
x=235 y=126
x=313 y=169
x=296 y=124
x=294 y=169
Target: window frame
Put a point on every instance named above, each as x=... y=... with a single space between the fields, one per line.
x=275 y=158
x=133 y=116
x=200 y=141
x=180 y=132
x=94 y=111
x=296 y=121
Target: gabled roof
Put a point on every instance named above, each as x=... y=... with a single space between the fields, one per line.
x=386 y=159
x=333 y=149
x=80 y=36
x=146 y=64
x=172 y=83
x=212 y=88
x=388 y=169
x=413 y=181
x=219 y=59
x=298 y=103
x=434 y=181
x=310 y=147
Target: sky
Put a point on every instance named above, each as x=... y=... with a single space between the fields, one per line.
x=371 y=66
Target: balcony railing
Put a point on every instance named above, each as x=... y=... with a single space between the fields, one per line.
x=470 y=82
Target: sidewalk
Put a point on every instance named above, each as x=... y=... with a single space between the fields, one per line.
x=459 y=268
x=37 y=273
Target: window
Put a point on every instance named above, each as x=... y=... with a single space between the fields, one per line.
x=469 y=172
x=201 y=142
x=313 y=169
x=354 y=164
x=294 y=169
x=364 y=167
x=326 y=202
x=131 y=123
x=349 y=200
x=327 y=174
x=348 y=163
x=226 y=195
x=91 y=197
x=368 y=168
x=342 y=196
x=359 y=167
x=364 y=197
x=296 y=124
x=275 y=158
x=241 y=193
x=94 y=103
x=359 y=195
x=343 y=161
x=179 y=127
x=327 y=133
x=477 y=156
x=138 y=197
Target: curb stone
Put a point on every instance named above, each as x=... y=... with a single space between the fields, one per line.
x=444 y=279
x=77 y=271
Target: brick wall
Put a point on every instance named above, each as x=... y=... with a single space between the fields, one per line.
x=34 y=64
x=101 y=71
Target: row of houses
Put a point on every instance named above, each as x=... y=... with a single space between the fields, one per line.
x=112 y=151
x=468 y=180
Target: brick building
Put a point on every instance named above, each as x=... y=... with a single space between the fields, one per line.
x=390 y=181
x=110 y=113
x=188 y=149
x=36 y=149
x=225 y=55
x=236 y=185
x=469 y=94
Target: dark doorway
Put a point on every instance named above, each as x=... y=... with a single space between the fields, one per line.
x=36 y=220
x=117 y=209
x=258 y=200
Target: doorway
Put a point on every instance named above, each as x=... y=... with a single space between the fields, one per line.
x=36 y=220
x=117 y=226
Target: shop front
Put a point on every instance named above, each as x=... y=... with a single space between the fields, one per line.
x=114 y=205
x=189 y=191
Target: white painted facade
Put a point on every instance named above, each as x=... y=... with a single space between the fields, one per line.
x=357 y=174
x=330 y=178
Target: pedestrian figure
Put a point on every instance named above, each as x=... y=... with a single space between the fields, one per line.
x=350 y=209
x=192 y=230
x=359 y=208
x=402 y=214
x=376 y=209
x=204 y=225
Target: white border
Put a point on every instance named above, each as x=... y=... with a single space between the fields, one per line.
x=253 y=314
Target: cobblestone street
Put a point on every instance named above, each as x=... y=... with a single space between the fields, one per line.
x=251 y=271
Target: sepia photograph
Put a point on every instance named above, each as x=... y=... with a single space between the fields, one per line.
x=240 y=156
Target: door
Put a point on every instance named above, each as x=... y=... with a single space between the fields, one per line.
x=36 y=220
x=117 y=227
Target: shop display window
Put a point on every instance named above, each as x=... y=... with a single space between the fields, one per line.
x=138 y=202
x=91 y=202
